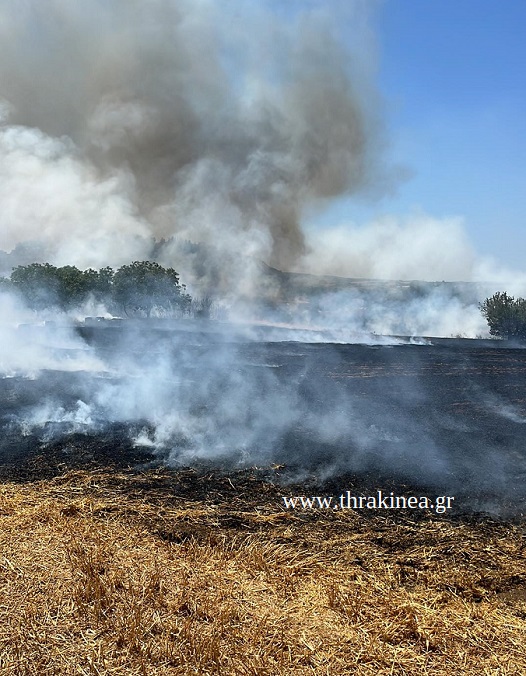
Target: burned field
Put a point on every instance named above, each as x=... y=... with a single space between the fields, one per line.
x=447 y=416
x=123 y=553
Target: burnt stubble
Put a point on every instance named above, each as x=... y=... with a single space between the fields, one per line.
x=445 y=416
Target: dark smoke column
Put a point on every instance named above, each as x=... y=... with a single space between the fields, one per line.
x=220 y=122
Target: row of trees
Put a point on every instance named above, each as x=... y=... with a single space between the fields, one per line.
x=143 y=288
x=139 y=289
x=506 y=315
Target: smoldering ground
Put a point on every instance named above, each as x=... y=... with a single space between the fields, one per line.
x=448 y=416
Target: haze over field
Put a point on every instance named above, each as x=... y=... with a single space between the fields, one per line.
x=250 y=253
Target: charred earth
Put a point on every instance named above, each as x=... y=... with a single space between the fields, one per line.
x=444 y=416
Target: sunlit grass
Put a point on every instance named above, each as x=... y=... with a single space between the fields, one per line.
x=107 y=573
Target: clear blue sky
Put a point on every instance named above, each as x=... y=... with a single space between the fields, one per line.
x=453 y=73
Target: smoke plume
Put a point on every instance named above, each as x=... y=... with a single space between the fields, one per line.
x=221 y=122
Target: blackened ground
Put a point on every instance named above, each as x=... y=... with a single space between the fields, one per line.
x=448 y=417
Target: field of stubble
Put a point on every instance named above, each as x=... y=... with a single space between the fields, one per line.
x=111 y=566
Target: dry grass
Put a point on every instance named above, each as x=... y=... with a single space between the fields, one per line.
x=119 y=573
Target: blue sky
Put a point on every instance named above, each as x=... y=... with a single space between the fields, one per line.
x=453 y=73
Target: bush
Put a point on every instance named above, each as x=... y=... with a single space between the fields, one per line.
x=506 y=316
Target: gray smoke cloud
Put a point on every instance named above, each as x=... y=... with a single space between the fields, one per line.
x=221 y=122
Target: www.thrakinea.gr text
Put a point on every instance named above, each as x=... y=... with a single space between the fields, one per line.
x=380 y=500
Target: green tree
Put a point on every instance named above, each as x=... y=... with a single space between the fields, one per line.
x=100 y=283
x=74 y=286
x=144 y=286
x=506 y=316
x=135 y=289
x=38 y=284
x=43 y=285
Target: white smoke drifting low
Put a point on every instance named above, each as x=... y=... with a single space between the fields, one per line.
x=408 y=251
x=187 y=395
x=437 y=312
x=187 y=398
x=28 y=346
x=419 y=248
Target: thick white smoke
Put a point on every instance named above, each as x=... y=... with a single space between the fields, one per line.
x=220 y=122
x=27 y=348
x=50 y=195
x=124 y=121
x=418 y=248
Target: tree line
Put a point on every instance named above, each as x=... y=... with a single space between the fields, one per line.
x=144 y=288
x=141 y=288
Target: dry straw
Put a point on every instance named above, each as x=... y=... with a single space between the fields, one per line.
x=156 y=573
